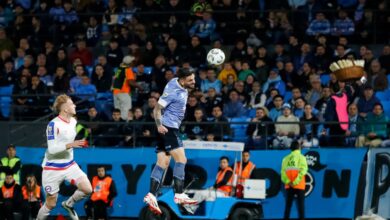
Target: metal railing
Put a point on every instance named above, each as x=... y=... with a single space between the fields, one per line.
x=131 y=134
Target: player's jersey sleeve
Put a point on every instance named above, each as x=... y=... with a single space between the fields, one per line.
x=54 y=146
x=167 y=97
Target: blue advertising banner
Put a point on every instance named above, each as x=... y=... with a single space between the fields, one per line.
x=331 y=189
x=377 y=195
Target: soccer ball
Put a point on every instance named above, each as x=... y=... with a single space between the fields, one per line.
x=215 y=56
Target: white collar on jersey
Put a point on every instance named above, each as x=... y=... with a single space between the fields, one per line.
x=177 y=81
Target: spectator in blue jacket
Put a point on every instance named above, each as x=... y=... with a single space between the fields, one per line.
x=274 y=81
x=276 y=111
x=86 y=90
x=6 y=15
x=56 y=11
x=367 y=101
x=320 y=25
x=234 y=107
x=205 y=28
x=69 y=15
x=211 y=81
x=343 y=25
x=76 y=80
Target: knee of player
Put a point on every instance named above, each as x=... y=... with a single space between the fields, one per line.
x=50 y=204
x=183 y=160
x=88 y=190
x=166 y=164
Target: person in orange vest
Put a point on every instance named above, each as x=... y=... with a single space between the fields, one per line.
x=10 y=197
x=294 y=169
x=221 y=188
x=32 y=198
x=245 y=171
x=123 y=82
x=223 y=182
x=104 y=191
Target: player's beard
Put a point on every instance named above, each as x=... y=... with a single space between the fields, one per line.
x=190 y=87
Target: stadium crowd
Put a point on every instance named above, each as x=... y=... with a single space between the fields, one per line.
x=277 y=67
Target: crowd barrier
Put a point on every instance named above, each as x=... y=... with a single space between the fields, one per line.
x=335 y=182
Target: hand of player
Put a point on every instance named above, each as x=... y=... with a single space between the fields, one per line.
x=80 y=143
x=161 y=129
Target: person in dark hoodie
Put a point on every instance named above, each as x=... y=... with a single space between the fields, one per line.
x=112 y=136
x=10 y=196
x=258 y=131
x=114 y=53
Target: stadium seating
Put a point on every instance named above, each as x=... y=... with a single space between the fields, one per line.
x=251 y=113
x=386 y=107
x=6 y=100
x=383 y=95
x=325 y=78
x=238 y=129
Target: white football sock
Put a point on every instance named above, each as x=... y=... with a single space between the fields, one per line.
x=77 y=196
x=43 y=212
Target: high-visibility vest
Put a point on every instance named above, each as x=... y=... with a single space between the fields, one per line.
x=8 y=193
x=227 y=189
x=82 y=131
x=9 y=163
x=292 y=174
x=27 y=194
x=101 y=188
x=245 y=173
x=292 y=164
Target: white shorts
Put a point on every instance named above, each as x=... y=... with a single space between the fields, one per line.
x=52 y=178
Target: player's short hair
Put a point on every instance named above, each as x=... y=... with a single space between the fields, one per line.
x=184 y=73
x=116 y=110
x=60 y=100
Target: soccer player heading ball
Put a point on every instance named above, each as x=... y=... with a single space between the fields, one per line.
x=173 y=101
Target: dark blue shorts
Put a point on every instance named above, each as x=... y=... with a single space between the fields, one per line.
x=169 y=141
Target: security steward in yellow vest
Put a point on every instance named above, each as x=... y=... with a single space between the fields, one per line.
x=32 y=198
x=224 y=178
x=12 y=162
x=294 y=169
x=10 y=197
x=245 y=171
x=104 y=191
